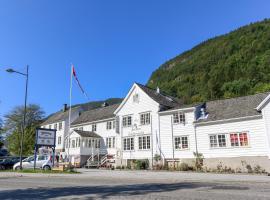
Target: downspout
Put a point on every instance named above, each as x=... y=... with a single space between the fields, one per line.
x=172 y=142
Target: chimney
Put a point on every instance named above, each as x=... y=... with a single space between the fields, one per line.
x=158 y=90
x=65 y=107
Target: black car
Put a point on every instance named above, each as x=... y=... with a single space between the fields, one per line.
x=8 y=162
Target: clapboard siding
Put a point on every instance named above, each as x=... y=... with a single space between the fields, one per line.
x=266 y=118
x=256 y=132
x=166 y=135
x=145 y=104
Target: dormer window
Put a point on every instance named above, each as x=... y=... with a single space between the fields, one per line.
x=179 y=118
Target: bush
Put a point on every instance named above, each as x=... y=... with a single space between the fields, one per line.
x=183 y=167
x=249 y=168
x=142 y=164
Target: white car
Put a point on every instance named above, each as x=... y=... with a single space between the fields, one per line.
x=42 y=162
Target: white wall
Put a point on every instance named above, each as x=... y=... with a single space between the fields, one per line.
x=145 y=104
x=266 y=118
x=257 y=139
x=166 y=134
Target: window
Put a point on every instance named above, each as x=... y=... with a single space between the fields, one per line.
x=55 y=126
x=128 y=144
x=59 y=140
x=80 y=128
x=136 y=98
x=113 y=142
x=179 y=118
x=127 y=121
x=109 y=125
x=144 y=142
x=60 y=125
x=94 y=127
x=73 y=144
x=89 y=143
x=218 y=140
x=181 y=142
x=50 y=126
x=145 y=118
x=114 y=124
x=238 y=139
x=110 y=142
x=78 y=142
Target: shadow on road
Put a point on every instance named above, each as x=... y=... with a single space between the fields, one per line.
x=102 y=191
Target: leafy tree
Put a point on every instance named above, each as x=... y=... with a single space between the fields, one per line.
x=234 y=64
x=14 y=123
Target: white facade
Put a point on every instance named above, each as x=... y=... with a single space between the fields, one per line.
x=141 y=128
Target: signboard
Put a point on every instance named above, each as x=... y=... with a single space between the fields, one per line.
x=45 y=137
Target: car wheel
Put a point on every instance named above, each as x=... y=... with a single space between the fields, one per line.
x=17 y=168
x=46 y=168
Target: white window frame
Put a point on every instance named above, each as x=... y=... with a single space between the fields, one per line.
x=217 y=141
x=94 y=127
x=128 y=144
x=109 y=125
x=127 y=121
x=178 y=140
x=59 y=140
x=145 y=118
x=144 y=142
x=179 y=118
x=60 y=126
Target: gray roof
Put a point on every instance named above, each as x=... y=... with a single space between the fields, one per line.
x=233 y=108
x=96 y=114
x=87 y=134
x=161 y=98
x=60 y=116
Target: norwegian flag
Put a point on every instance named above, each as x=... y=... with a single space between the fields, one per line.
x=77 y=80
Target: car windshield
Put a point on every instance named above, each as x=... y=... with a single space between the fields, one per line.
x=29 y=159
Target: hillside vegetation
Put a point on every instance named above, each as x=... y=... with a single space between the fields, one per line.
x=234 y=64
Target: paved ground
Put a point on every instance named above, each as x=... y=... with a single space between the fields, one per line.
x=99 y=184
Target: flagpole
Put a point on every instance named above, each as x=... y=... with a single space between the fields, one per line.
x=69 y=115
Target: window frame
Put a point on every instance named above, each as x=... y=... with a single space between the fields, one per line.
x=144 y=143
x=125 y=121
x=128 y=142
x=145 y=118
x=180 y=138
x=179 y=118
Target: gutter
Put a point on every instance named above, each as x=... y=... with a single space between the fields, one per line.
x=93 y=122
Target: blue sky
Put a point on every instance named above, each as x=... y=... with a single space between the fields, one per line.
x=111 y=43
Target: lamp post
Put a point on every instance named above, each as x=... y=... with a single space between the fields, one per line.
x=25 y=103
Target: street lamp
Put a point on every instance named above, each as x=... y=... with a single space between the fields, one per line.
x=24 y=114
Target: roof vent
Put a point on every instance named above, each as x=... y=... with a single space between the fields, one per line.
x=158 y=90
x=65 y=107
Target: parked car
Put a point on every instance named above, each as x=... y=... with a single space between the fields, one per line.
x=8 y=162
x=42 y=162
x=3 y=152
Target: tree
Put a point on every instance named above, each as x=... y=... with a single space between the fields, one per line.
x=13 y=125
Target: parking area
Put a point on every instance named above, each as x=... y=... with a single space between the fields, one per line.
x=105 y=184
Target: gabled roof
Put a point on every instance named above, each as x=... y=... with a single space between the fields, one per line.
x=233 y=108
x=87 y=134
x=60 y=116
x=96 y=114
x=160 y=97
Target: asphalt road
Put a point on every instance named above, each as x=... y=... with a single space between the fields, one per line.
x=99 y=184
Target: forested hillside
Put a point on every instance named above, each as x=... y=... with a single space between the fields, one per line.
x=234 y=64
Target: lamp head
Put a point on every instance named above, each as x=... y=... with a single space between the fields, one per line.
x=10 y=70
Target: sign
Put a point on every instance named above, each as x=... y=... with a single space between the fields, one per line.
x=45 y=137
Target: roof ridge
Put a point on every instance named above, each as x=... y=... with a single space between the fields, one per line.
x=240 y=97
x=99 y=108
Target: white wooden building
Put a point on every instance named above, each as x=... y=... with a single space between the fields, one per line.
x=232 y=132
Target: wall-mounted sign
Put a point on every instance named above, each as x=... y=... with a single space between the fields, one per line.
x=45 y=137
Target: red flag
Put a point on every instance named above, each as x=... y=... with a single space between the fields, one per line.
x=77 y=80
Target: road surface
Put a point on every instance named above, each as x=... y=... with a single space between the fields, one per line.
x=102 y=184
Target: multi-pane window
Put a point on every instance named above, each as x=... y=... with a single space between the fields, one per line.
x=181 y=142
x=109 y=125
x=239 y=139
x=128 y=144
x=218 y=140
x=145 y=118
x=144 y=142
x=127 y=121
x=78 y=142
x=55 y=126
x=110 y=142
x=179 y=117
x=73 y=144
x=94 y=127
x=59 y=139
x=114 y=124
x=60 y=125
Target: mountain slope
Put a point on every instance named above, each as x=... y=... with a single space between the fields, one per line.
x=234 y=64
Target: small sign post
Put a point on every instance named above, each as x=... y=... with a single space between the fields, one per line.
x=45 y=138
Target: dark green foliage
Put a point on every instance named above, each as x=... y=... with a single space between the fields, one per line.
x=142 y=164
x=234 y=64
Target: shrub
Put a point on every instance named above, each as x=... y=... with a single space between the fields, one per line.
x=198 y=160
x=183 y=167
x=259 y=170
x=249 y=168
x=142 y=164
